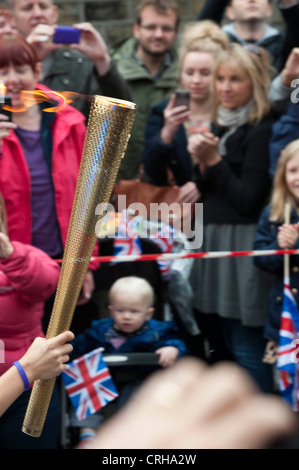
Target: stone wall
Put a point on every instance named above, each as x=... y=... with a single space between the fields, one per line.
x=114 y=18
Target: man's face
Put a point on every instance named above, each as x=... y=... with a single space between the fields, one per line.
x=249 y=10
x=7 y=25
x=29 y=13
x=156 y=33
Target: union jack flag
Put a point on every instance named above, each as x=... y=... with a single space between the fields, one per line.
x=164 y=240
x=126 y=241
x=89 y=384
x=287 y=361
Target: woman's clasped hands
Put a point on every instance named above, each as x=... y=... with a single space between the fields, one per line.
x=204 y=150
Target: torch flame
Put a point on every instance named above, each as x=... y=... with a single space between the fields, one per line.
x=31 y=97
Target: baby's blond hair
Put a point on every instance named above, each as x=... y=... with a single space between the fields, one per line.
x=133 y=285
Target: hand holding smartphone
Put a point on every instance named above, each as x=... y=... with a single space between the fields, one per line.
x=66 y=35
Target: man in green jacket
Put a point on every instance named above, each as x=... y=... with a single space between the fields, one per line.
x=148 y=62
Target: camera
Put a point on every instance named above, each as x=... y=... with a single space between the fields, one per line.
x=66 y=35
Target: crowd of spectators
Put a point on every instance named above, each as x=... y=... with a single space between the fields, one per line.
x=233 y=148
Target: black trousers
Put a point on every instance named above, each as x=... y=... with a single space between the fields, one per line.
x=11 y=435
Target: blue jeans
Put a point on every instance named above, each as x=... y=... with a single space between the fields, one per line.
x=247 y=346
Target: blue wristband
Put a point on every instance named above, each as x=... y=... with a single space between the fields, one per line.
x=86 y=436
x=23 y=375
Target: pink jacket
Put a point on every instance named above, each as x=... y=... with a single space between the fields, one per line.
x=27 y=278
x=68 y=133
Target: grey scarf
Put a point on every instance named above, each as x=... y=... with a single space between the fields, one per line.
x=232 y=119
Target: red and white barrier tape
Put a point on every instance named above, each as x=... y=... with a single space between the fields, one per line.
x=173 y=256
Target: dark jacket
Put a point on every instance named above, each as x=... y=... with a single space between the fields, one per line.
x=158 y=156
x=72 y=71
x=235 y=190
x=284 y=131
x=278 y=43
x=154 y=335
x=266 y=239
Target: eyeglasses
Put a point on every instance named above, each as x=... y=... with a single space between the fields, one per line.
x=153 y=27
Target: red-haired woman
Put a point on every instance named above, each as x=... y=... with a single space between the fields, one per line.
x=40 y=154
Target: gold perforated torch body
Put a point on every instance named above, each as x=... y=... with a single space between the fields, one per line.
x=108 y=131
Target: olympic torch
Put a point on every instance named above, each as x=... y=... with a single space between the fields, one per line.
x=108 y=131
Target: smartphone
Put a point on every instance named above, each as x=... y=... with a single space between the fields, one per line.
x=66 y=35
x=6 y=102
x=182 y=98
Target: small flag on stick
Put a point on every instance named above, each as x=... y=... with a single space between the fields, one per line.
x=287 y=361
x=89 y=384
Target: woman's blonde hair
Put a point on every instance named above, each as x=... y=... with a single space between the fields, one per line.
x=202 y=36
x=251 y=61
x=3 y=218
x=281 y=193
